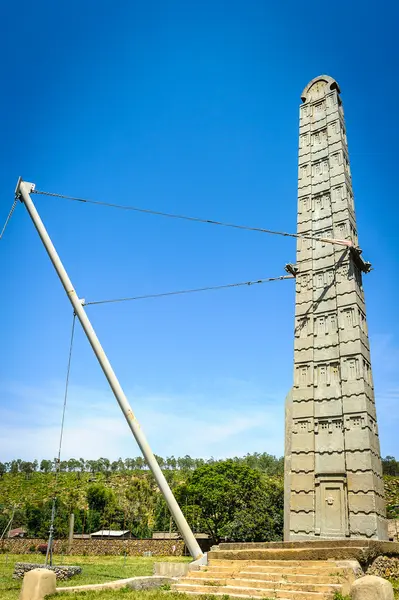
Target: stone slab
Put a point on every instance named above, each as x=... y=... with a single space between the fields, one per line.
x=38 y=584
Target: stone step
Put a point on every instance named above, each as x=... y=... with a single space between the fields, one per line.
x=239 y=582
x=334 y=576
x=300 y=544
x=233 y=596
x=251 y=592
x=262 y=564
x=291 y=554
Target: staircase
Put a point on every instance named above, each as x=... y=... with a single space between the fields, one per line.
x=269 y=579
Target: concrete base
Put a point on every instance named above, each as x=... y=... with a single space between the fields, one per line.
x=38 y=584
x=364 y=551
x=171 y=569
x=134 y=583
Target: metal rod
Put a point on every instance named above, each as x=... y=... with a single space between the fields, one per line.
x=22 y=191
x=49 y=550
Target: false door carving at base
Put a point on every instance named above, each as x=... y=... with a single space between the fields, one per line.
x=331 y=506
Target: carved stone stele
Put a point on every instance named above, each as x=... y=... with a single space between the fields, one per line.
x=333 y=475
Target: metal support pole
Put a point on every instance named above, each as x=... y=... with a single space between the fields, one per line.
x=49 y=551
x=22 y=191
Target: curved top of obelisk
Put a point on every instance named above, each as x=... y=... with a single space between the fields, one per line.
x=318 y=87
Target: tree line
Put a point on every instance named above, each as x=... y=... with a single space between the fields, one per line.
x=263 y=461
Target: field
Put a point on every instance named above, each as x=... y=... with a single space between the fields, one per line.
x=96 y=569
x=100 y=569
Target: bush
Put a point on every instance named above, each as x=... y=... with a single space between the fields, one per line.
x=42 y=548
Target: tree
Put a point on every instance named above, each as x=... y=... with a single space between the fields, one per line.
x=15 y=465
x=98 y=497
x=46 y=466
x=38 y=519
x=390 y=466
x=139 y=506
x=73 y=464
x=222 y=493
x=262 y=519
x=26 y=467
x=3 y=469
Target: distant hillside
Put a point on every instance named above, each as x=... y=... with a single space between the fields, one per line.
x=120 y=499
x=109 y=496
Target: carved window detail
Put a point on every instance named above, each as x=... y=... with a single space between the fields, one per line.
x=334 y=373
x=319 y=137
x=321 y=325
x=304 y=140
x=356 y=421
x=346 y=164
x=318 y=202
x=353 y=369
x=338 y=193
x=322 y=374
x=305 y=110
x=353 y=234
x=367 y=372
x=362 y=321
x=327 y=233
x=336 y=159
x=317 y=169
x=302 y=327
x=348 y=318
x=303 y=375
x=304 y=171
x=342 y=229
x=303 y=204
x=333 y=324
x=319 y=108
x=333 y=128
x=324 y=278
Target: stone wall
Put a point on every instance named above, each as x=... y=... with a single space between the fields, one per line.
x=393 y=530
x=62 y=573
x=98 y=547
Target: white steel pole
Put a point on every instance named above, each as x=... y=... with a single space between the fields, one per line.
x=22 y=191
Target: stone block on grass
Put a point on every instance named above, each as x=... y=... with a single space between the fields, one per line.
x=371 y=587
x=38 y=584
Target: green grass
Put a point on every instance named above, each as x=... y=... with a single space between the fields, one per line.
x=126 y=594
x=395 y=585
x=95 y=569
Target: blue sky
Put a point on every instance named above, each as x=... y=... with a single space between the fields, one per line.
x=187 y=107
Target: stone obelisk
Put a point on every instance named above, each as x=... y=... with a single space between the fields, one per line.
x=333 y=476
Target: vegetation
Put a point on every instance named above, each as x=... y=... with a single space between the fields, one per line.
x=123 y=499
x=126 y=594
x=238 y=499
x=95 y=569
x=232 y=500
